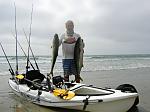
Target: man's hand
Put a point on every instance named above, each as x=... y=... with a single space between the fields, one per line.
x=70 y=40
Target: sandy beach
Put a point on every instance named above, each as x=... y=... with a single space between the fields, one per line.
x=137 y=77
x=109 y=38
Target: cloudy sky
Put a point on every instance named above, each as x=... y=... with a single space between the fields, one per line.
x=107 y=26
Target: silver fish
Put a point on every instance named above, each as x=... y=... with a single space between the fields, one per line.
x=78 y=55
x=55 y=48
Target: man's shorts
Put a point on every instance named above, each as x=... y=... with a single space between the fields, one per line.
x=69 y=67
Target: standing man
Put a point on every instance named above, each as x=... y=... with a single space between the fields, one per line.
x=68 y=40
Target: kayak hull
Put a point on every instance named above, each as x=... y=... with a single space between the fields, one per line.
x=102 y=100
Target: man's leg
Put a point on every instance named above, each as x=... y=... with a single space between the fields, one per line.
x=66 y=64
x=66 y=77
x=77 y=78
x=74 y=71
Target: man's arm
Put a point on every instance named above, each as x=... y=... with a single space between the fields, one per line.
x=61 y=39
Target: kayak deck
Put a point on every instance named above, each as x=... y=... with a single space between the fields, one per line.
x=84 y=96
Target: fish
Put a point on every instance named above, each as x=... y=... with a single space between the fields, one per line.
x=55 y=48
x=78 y=55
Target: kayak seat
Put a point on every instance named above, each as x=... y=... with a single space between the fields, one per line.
x=33 y=75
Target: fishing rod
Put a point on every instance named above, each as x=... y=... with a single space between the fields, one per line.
x=29 y=41
x=16 y=42
x=31 y=51
x=24 y=52
x=11 y=70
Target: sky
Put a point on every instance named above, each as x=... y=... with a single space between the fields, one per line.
x=106 y=26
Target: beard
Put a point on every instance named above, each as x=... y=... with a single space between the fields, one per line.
x=70 y=32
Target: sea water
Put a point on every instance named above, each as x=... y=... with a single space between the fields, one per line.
x=91 y=63
x=99 y=70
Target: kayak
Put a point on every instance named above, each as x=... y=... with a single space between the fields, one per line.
x=54 y=92
x=79 y=96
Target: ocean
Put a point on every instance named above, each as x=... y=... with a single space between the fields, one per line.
x=91 y=63
x=99 y=70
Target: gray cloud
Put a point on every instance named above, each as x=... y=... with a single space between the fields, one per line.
x=107 y=26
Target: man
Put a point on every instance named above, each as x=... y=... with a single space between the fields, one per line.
x=68 y=40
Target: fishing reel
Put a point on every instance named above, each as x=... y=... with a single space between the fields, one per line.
x=58 y=81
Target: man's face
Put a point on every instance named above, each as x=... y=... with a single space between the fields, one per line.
x=69 y=26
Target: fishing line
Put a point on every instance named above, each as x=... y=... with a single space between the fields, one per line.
x=23 y=51
x=11 y=70
x=31 y=51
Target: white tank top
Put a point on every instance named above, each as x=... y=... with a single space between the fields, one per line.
x=68 y=44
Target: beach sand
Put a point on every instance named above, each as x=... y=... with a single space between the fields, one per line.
x=140 y=78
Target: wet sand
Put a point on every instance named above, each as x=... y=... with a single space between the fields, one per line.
x=140 y=78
